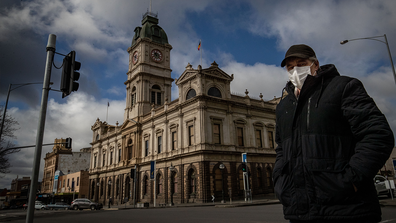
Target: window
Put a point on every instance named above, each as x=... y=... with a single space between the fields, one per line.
x=216 y=134
x=191 y=93
x=174 y=181
x=156 y=95
x=68 y=182
x=271 y=139
x=95 y=157
x=111 y=157
x=259 y=178
x=130 y=147
x=213 y=91
x=159 y=184
x=117 y=187
x=258 y=139
x=104 y=159
x=191 y=181
x=97 y=137
x=240 y=179
x=240 y=136
x=64 y=183
x=145 y=185
x=191 y=135
x=133 y=96
x=174 y=140
x=119 y=155
x=156 y=32
x=146 y=148
x=269 y=177
x=78 y=179
x=159 y=143
x=218 y=180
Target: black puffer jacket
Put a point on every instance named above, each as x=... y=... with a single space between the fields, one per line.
x=329 y=140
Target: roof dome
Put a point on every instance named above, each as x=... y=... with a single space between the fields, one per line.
x=150 y=29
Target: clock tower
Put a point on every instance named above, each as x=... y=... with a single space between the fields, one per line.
x=149 y=75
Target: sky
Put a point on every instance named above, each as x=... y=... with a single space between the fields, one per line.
x=247 y=38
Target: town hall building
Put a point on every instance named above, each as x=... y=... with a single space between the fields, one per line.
x=196 y=140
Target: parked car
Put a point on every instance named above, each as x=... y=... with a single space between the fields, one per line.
x=84 y=203
x=380 y=186
x=58 y=205
x=40 y=205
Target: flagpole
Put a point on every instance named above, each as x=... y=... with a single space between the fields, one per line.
x=201 y=50
x=107 y=113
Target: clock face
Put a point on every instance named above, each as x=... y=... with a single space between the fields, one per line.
x=156 y=55
x=135 y=57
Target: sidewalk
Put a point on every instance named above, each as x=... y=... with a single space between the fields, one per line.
x=265 y=200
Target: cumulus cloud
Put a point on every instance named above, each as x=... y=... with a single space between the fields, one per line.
x=71 y=119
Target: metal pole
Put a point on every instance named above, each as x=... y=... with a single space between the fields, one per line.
x=4 y=112
x=40 y=130
x=390 y=57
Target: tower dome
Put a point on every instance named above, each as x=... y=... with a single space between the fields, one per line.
x=150 y=29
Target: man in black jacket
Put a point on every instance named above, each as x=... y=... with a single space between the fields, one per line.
x=332 y=140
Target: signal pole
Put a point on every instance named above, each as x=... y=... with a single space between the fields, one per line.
x=40 y=130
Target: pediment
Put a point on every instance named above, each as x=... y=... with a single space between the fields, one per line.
x=97 y=124
x=213 y=71
x=127 y=124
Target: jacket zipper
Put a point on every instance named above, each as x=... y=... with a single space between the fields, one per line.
x=309 y=110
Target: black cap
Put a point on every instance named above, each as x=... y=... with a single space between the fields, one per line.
x=300 y=50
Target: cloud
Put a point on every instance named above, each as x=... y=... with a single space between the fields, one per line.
x=71 y=119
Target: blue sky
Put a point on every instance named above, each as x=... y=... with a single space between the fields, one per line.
x=247 y=38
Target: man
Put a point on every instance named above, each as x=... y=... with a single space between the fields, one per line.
x=332 y=140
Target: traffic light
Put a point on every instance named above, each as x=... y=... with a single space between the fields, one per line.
x=132 y=173
x=69 y=74
x=244 y=168
x=68 y=143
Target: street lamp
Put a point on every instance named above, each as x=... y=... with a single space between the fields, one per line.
x=8 y=95
x=222 y=182
x=172 y=169
x=385 y=42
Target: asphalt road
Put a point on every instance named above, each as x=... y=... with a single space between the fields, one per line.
x=210 y=214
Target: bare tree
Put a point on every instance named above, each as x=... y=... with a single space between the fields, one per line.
x=10 y=126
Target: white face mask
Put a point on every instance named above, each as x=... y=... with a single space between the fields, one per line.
x=297 y=75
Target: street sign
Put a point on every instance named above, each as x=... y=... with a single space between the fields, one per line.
x=244 y=157
x=152 y=170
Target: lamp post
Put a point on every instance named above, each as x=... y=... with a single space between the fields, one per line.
x=222 y=182
x=8 y=95
x=172 y=170
x=385 y=42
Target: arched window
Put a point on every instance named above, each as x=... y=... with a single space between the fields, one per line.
x=127 y=187
x=259 y=177
x=117 y=187
x=101 y=188
x=156 y=95
x=191 y=181
x=130 y=147
x=218 y=180
x=240 y=180
x=159 y=184
x=174 y=181
x=191 y=93
x=269 y=177
x=97 y=137
x=213 y=91
x=145 y=185
x=133 y=96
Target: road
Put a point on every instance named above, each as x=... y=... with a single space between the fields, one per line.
x=210 y=214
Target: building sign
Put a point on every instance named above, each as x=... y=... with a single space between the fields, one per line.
x=55 y=187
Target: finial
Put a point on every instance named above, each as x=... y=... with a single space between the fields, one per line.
x=247 y=92
x=261 y=96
